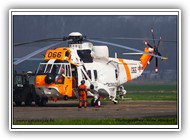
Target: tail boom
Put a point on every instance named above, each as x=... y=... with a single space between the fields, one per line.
x=145 y=57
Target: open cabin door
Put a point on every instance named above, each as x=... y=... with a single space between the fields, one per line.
x=74 y=76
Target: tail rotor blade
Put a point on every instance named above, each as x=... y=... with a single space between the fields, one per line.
x=156 y=66
x=159 y=54
x=159 y=41
x=152 y=31
x=150 y=60
x=146 y=43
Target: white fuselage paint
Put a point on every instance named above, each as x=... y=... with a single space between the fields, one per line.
x=113 y=72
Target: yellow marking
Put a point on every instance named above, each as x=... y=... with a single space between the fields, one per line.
x=164 y=58
x=127 y=71
x=58 y=53
x=54 y=54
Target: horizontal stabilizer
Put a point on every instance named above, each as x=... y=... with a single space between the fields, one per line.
x=132 y=53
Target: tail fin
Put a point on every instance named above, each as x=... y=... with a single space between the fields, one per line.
x=145 y=57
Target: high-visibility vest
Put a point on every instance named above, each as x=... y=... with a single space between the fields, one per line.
x=82 y=89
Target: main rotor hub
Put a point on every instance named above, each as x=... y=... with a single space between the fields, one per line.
x=75 y=38
x=75 y=34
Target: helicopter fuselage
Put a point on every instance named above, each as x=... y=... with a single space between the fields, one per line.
x=63 y=69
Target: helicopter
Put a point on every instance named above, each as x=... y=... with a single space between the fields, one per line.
x=62 y=69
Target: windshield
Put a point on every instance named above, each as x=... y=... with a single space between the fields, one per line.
x=56 y=68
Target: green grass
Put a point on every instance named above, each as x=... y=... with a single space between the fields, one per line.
x=150 y=87
x=170 y=96
x=151 y=92
x=119 y=121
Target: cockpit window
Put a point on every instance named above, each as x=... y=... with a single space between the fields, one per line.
x=41 y=68
x=85 y=55
x=62 y=69
x=56 y=68
x=48 y=69
x=68 y=71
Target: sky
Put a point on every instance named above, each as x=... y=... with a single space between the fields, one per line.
x=31 y=28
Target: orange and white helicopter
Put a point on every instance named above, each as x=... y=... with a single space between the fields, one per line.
x=63 y=68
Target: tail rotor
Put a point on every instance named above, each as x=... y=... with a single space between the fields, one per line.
x=155 y=47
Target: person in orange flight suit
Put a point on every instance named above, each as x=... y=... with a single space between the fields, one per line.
x=82 y=91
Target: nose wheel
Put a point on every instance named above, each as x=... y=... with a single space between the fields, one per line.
x=41 y=102
x=115 y=101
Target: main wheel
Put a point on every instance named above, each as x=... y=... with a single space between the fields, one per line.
x=41 y=102
x=96 y=103
x=115 y=101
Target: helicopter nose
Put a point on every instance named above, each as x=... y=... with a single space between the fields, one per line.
x=49 y=79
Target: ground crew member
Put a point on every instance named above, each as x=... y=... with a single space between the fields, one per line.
x=82 y=91
x=122 y=92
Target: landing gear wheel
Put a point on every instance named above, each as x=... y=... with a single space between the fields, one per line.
x=41 y=102
x=115 y=101
x=96 y=103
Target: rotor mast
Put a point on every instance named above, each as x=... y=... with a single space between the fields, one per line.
x=75 y=40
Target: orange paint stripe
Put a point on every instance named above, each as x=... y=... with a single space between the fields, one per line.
x=127 y=71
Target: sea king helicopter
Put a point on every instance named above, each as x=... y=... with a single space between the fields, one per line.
x=63 y=68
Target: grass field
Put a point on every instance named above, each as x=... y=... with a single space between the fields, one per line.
x=119 y=121
x=150 y=87
x=151 y=92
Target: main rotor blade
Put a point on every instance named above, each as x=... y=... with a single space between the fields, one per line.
x=34 y=53
x=129 y=38
x=38 y=41
x=30 y=59
x=125 y=47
